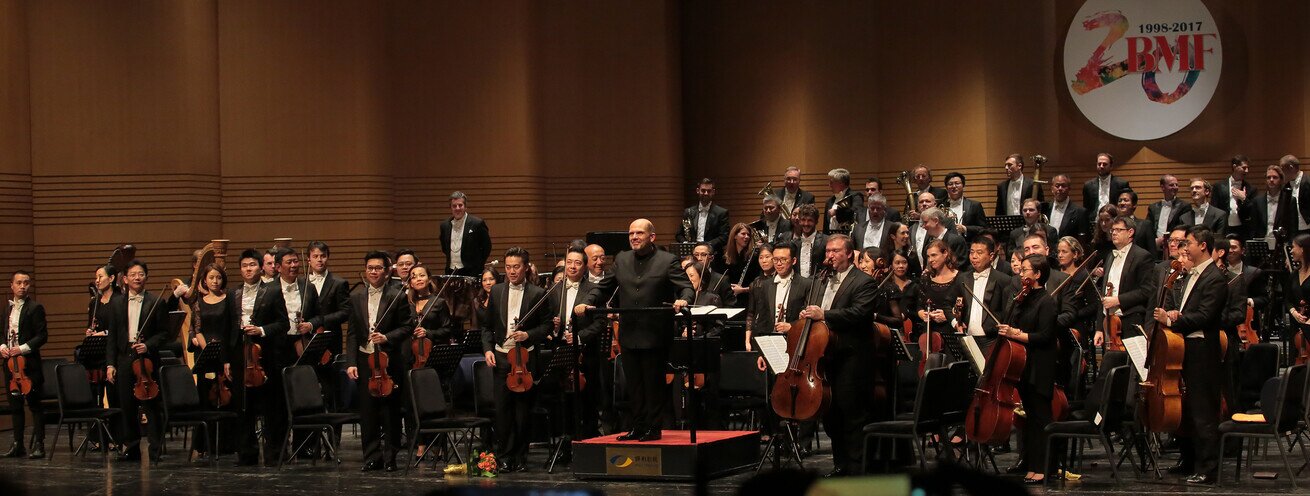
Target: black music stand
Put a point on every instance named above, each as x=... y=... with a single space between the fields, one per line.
x=954 y=344
x=1003 y=224
x=612 y=241
x=445 y=360
x=318 y=343
x=564 y=364
x=682 y=250
x=91 y=353
x=209 y=360
x=472 y=341
x=1258 y=254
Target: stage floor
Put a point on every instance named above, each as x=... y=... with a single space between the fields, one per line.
x=91 y=476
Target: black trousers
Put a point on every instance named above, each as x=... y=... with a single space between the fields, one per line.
x=648 y=396
x=269 y=401
x=130 y=429
x=851 y=408
x=33 y=402
x=513 y=412
x=1037 y=406
x=379 y=418
x=1199 y=438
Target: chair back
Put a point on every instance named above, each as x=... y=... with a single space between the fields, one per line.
x=48 y=388
x=1285 y=408
x=484 y=389
x=1113 y=394
x=1259 y=363
x=304 y=394
x=73 y=389
x=935 y=361
x=740 y=375
x=960 y=392
x=928 y=402
x=426 y=399
x=177 y=389
x=1100 y=387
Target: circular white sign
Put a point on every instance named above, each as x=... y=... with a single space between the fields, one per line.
x=1142 y=70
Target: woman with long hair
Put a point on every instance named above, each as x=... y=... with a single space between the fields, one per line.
x=217 y=315
x=737 y=257
x=1299 y=282
x=938 y=292
x=100 y=318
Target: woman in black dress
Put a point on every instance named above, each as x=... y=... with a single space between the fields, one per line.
x=433 y=314
x=217 y=323
x=937 y=293
x=100 y=317
x=1299 y=283
x=1032 y=324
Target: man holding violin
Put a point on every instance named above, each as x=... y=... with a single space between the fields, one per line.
x=512 y=324
x=378 y=324
x=25 y=333
x=145 y=330
x=263 y=322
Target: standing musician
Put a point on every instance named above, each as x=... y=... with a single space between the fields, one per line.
x=1253 y=279
x=304 y=315
x=1069 y=254
x=511 y=326
x=968 y=213
x=873 y=186
x=847 y=309
x=1162 y=215
x=939 y=288
x=333 y=309
x=100 y=319
x=921 y=176
x=1196 y=316
x=1201 y=212
x=1295 y=195
x=933 y=227
x=25 y=333
x=871 y=230
x=262 y=321
x=791 y=195
x=775 y=223
x=783 y=294
x=586 y=329
x=715 y=281
x=378 y=324
x=1068 y=218
x=1298 y=284
x=599 y=366
x=737 y=257
x=989 y=287
x=1128 y=270
x=1103 y=189
x=839 y=181
x=268 y=267
x=1033 y=222
x=139 y=332
x=465 y=239
x=217 y=316
x=436 y=324
x=1016 y=187
x=1233 y=315
x=708 y=414
x=1034 y=326
x=1233 y=194
x=809 y=243
x=645 y=277
x=705 y=222
x=406 y=259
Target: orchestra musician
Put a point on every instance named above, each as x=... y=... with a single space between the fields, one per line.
x=406 y=259
x=1264 y=208
x=377 y=325
x=839 y=181
x=1067 y=217
x=599 y=367
x=1233 y=195
x=989 y=287
x=217 y=318
x=1127 y=267
x=775 y=223
x=705 y=222
x=709 y=415
x=1196 y=316
x=938 y=291
x=1016 y=188
x=1103 y=189
x=333 y=295
x=1032 y=223
x=737 y=257
x=968 y=214
x=267 y=267
x=645 y=277
x=25 y=334
x=1298 y=284
x=872 y=230
x=783 y=294
x=1127 y=205
x=763 y=270
x=139 y=332
x=511 y=325
x=873 y=186
x=1296 y=191
x=100 y=320
x=791 y=195
x=586 y=329
x=932 y=227
x=465 y=239
x=809 y=243
x=1034 y=326
x=1202 y=213
x=1162 y=215
x=716 y=282
x=263 y=320
x=921 y=177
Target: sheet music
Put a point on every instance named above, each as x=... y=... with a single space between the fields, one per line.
x=1137 y=348
x=979 y=362
x=774 y=348
x=727 y=313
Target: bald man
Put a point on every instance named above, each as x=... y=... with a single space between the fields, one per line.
x=644 y=277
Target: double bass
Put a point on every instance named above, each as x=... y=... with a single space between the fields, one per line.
x=990 y=416
x=1162 y=392
x=801 y=391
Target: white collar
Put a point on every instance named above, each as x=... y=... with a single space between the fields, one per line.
x=777 y=279
x=984 y=274
x=515 y=287
x=1201 y=266
x=249 y=287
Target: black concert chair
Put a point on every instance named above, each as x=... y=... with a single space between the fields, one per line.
x=182 y=407
x=926 y=421
x=1259 y=364
x=1109 y=418
x=484 y=397
x=77 y=405
x=50 y=395
x=430 y=413
x=1282 y=405
x=743 y=387
x=307 y=411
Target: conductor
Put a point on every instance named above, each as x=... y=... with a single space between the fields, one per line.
x=644 y=277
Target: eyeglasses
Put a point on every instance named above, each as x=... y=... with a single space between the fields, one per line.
x=375 y=268
x=1118 y=229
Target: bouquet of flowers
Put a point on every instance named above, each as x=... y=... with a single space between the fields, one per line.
x=483 y=464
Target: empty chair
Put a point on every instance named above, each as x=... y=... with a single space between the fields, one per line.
x=743 y=387
x=1281 y=402
x=307 y=412
x=431 y=415
x=1110 y=398
x=77 y=405
x=182 y=407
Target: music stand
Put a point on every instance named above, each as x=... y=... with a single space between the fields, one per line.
x=318 y=343
x=612 y=241
x=1003 y=223
x=954 y=344
x=445 y=359
x=209 y=360
x=682 y=250
x=1258 y=254
x=900 y=350
x=91 y=353
x=563 y=362
x=472 y=341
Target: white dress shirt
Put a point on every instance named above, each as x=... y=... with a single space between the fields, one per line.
x=1058 y=209
x=702 y=218
x=513 y=305
x=16 y=310
x=295 y=302
x=1014 y=197
x=317 y=280
x=1296 y=201
x=1103 y=191
x=834 y=283
x=1166 y=211
x=976 y=312
x=374 y=306
x=1192 y=276
x=1198 y=213
x=570 y=297
x=1119 y=258
x=807 y=251
x=457 y=242
x=873 y=234
x=1233 y=218
x=133 y=315
x=782 y=287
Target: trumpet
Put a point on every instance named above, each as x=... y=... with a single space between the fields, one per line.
x=766 y=190
x=686 y=228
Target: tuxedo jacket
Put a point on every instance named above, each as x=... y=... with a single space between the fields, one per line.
x=856 y=205
x=1019 y=233
x=1003 y=191
x=974 y=218
x=716 y=226
x=310 y=309
x=858 y=234
x=850 y=319
x=333 y=304
x=154 y=331
x=31 y=332
x=1146 y=229
x=396 y=323
x=1221 y=196
x=270 y=313
x=764 y=303
x=1091 y=198
x=1136 y=283
x=1074 y=223
x=586 y=328
x=1287 y=217
x=995 y=296
x=1204 y=308
x=1215 y=218
x=953 y=239
x=653 y=280
x=476 y=246
x=718 y=284
x=817 y=251
x=537 y=325
x=784 y=226
x=801 y=197
x=1253 y=280
x=889 y=215
x=1258 y=209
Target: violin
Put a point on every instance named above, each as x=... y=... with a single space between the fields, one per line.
x=1162 y=392
x=1113 y=325
x=991 y=413
x=254 y=374
x=422 y=347
x=519 y=379
x=220 y=393
x=582 y=377
x=143 y=366
x=1246 y=330
x=380 y=384
x=930 y=342
x=19 y=382
x=801 y=392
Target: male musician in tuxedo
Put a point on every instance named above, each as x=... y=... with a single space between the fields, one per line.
x=921 y=177
x=968 y=213
x=990 y=288
x=785 y=291
x=847 y=309
x=144 y=329
x=406 y=259
x=1103 y=189
x=1233 y=195
x=1201 y=212
x=706 y=221
x=1196 y=316
x=715 y=282
x=932 y=226
x=1265 y=216
x=512 y=326
x=465 y=239
x=1253 y=278
x=1032 y=223
x=645 y=277
x=841 y=207
x=586 y=329
x=333 y=294
x=1067 y=306
x=1233 y=315
x=775 y=224
x=809 y=243
x=268 y=267
x=600 y=369
x=791 y=195
x=25 y=334
x=1068 y=218
x=1016 y=187
x=263 y=321
x=1128 y=268
x=873 y=186
x=1162 y=215
x=380 y=322
x=304 y=316
x=872 y=229
x=1127 y=205
x=1296 y=191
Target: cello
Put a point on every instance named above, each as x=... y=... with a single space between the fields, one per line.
x=1298 y=341
x=1162 y=392
x=990 y=416
x=800 y=392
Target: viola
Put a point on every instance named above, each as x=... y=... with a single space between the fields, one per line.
x=1113 y=325
x=254 y=373
x=990 y=416
x=220 y=393
x=1162 y=392
x=930 y=342
x=801 y=392
x=519 y=380
x=19 y=382
x=380 y=384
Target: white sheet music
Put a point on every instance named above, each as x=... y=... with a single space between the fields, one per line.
x=774 y=349
x=727 y=313
x=1137 y=347
x=979 y=361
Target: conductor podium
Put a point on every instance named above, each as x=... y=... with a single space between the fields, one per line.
x=681 y=455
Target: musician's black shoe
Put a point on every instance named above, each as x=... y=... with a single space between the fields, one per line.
x=371 y=467
x=391 y=466
x=15 y=451
x=632 y=436
x=836 y=472
x=650 y=435
x=1180 y=468
x=519 y=466
x=1200 y=479
x=1019 y=467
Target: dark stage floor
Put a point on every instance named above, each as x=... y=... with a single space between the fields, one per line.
x=90 y=476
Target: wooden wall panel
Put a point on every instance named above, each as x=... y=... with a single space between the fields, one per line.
x=15 y=140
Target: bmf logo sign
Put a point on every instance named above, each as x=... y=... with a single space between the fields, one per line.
x=633 y=461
